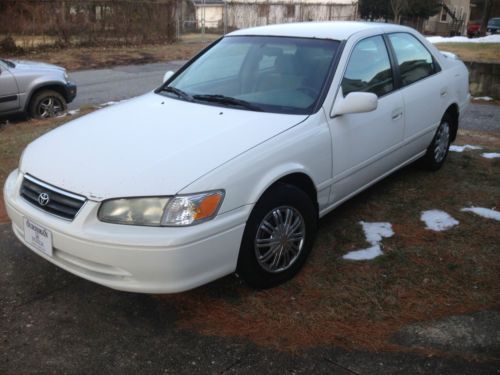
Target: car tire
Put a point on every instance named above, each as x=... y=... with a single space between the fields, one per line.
x=278 y=237
x=440 y=145
x=47 y=103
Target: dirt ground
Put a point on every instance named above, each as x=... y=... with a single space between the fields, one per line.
x=428 y=305
x=423 y=275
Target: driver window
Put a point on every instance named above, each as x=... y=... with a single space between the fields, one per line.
x=369 y=68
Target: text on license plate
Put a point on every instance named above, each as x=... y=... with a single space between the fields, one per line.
x=38 y=237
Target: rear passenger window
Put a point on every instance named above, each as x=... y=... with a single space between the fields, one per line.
x=369 y=68
x=415 y=62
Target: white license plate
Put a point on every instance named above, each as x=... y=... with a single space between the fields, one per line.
x=38 y=237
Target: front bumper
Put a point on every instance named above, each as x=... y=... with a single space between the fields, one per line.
x=133 y=258
x=70 y=90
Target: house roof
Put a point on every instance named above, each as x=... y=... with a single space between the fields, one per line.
x=338 y=30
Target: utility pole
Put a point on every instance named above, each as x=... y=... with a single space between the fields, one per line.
x=203 y=18
x=225 y=17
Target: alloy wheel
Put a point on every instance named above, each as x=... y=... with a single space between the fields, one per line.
x=280 y=239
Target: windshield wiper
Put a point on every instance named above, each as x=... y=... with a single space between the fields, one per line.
x=181 y=94
x=222 y=99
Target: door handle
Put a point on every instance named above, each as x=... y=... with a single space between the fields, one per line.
x=397 y=116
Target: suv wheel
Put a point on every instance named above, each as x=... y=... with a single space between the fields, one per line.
x=47 y=103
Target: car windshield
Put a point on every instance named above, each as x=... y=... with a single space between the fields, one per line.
x=494 y=22
x=262 y=73
x=8 y=63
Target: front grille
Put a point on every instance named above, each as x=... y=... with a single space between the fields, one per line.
x=51 y=199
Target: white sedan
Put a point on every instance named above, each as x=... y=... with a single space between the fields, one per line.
x=228 y=166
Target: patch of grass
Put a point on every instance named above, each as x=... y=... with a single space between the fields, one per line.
x=422 y=275
x=484 y=52
x=78 y=58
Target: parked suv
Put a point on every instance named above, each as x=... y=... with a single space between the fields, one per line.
x=37 y=89
x=493 y=26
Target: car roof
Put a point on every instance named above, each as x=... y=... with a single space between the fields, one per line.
x=338 y=30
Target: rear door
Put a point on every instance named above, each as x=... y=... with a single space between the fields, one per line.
x=424 y=89
x=9 y=98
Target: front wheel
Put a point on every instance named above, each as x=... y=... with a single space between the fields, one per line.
x=278 y=237
x=47 y=103
x=438 y=149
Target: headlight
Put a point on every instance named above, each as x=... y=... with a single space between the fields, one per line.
x=66 y=76
x=133 y=211
x=180 y=210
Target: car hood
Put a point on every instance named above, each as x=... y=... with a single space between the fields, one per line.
x=34 y=65
x=148 y=146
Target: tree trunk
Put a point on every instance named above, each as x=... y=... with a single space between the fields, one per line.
x=486 y=16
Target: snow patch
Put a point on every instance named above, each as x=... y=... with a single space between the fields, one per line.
x=490 y=155
x=438 y=220
x=485 y=98
x=484 y=212
x=112 y=102
x=463 y=39
x=457 y=148
x=365 y=254
x=107 y=103
x=374 y=233
x=73 y=112
x=69 y=113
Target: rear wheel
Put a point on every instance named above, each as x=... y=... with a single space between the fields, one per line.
x=278 y=237
x=438 y=149
x=47 y=103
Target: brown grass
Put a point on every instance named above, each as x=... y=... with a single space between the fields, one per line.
x=78 y=58
x=485 y=52
x=423 y=275
x=100 y=57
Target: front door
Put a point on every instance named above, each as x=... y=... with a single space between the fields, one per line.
x=365 y=145
x=9 y=98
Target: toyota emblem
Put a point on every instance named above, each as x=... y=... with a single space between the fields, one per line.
x=43 y=199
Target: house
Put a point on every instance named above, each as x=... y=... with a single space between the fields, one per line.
x=209 y=14
x=238 y=14
x=452 y=19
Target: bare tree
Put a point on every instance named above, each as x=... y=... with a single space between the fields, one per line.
x=486 y=15
x=398 y=7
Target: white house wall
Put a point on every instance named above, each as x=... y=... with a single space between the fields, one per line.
x=243 y=14
x=214 y=15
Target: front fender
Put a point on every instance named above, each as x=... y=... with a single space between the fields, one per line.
x=305 y=148
x=38 y=84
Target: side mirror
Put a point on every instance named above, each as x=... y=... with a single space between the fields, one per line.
x=354 y=102
x=167 y=76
